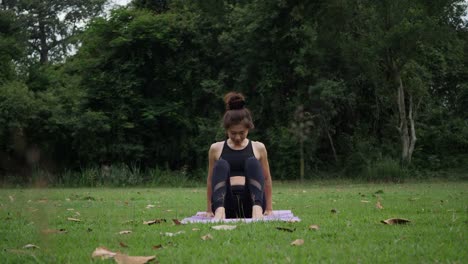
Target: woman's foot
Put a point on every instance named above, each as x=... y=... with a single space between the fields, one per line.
x=257 y=212
x=220 y=213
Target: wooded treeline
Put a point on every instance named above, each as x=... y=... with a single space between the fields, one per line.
x=352 y=87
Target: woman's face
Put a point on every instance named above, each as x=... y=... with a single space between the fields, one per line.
x=237 y=133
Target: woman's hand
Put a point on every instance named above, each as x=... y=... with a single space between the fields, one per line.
x=268 y=212
x=208 y=214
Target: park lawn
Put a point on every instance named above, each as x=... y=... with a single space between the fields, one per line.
x=437 y=232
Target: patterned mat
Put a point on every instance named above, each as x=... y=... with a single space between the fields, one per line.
x=278 y=215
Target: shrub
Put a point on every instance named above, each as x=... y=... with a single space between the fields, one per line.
x=385 y=169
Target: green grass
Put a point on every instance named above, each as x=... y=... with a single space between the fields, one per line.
x=438 y=231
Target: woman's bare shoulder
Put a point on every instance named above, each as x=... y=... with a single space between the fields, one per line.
x=258 y=145
x=216 y=147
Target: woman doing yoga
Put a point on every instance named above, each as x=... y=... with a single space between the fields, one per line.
x=239 y=182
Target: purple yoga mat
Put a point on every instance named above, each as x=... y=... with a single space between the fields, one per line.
x=278 y=215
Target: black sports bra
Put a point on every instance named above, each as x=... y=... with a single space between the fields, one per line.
x=237 y=158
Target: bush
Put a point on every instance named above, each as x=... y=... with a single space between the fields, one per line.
x=122 y=175
x=387 y=170
x=180 y=178
x=283 y=154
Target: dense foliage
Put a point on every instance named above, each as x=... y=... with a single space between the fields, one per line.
x=359 y=88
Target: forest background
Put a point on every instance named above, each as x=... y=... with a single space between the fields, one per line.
x=93 y=95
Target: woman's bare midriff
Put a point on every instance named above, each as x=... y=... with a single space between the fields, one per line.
x=237 y=180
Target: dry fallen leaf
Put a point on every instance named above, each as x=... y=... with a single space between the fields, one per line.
x=70 y=209
x=73 y=219
x=155 y=221
x=122 y=244
x=395 y=221
x=195 y=229
x=12 y=199
x=124 y=259
x=149 y=206
x=124 y=232
x=297 y=242
x=157 y=246
x=30 y=246
x=364 y=201
x=224 y=227
x=176 y=221
x=378 y=205
x=207 y=237
x=314 y=227
x=103 y=253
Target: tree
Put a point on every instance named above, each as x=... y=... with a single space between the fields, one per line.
x=11 y=45
x=331 y=104
x=143 y=76
x=53 y=25
x=391 y=38
x=158 y=6
x=17 y=105
x=301 y=129
x=146 y=83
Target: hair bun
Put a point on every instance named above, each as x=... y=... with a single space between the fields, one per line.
x=236 y=103
x=236 y=112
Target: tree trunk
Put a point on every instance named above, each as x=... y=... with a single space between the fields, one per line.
x=413 y=130
x=43 y=47
x=403 y=127
x=302 y=160
x=332 y=146
x=407 y=131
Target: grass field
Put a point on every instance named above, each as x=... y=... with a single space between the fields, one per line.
x=354 y=234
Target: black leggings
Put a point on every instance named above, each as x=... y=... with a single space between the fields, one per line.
x=239 y=199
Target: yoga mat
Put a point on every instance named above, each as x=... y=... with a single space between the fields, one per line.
x=278 y=215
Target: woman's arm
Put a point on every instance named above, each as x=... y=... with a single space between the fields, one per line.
x=211 y=162
x=267 y=176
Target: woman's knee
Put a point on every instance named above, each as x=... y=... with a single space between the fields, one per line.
x=253 y=168
x=252 y=163
x=254 y=173
x=221 y=166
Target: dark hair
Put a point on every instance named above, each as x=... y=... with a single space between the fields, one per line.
x=236 y=112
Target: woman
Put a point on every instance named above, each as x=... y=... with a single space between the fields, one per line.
x=239 y=181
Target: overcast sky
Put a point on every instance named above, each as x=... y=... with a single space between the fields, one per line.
x=120 y=2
